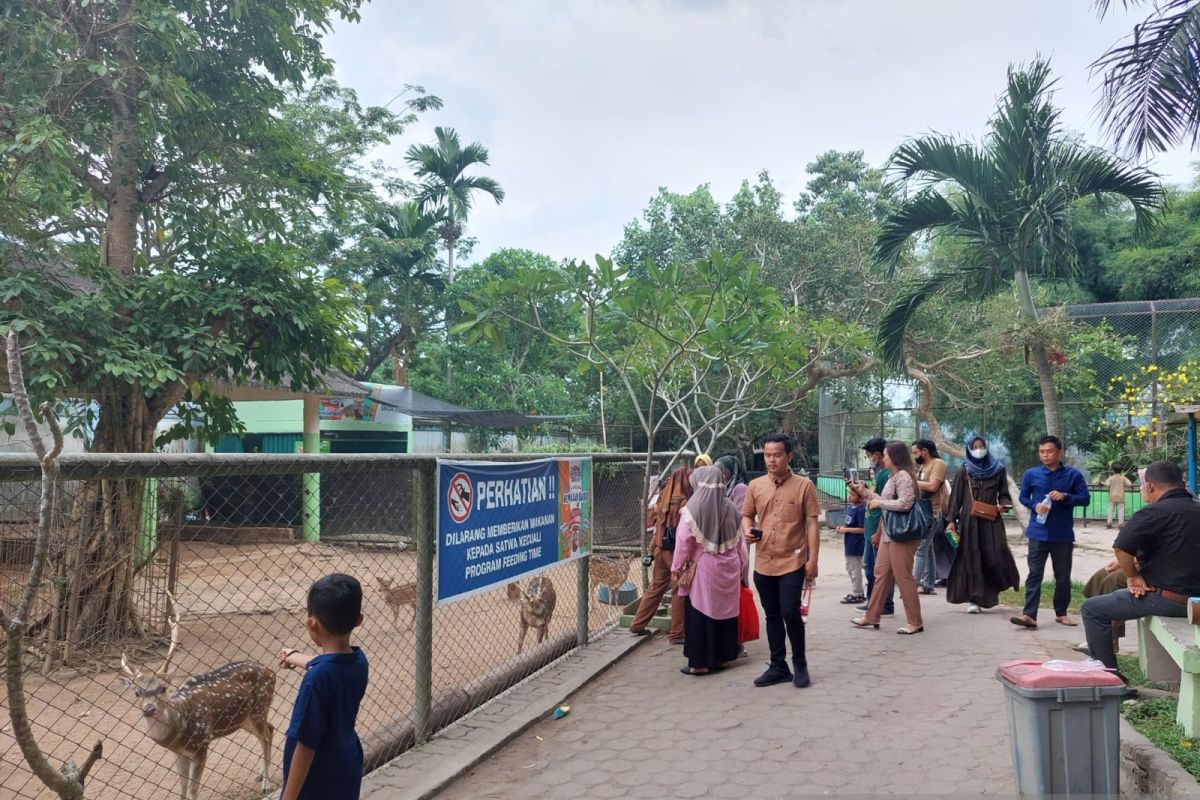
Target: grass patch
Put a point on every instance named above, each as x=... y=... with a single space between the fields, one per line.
x=1017 y=598
x=1131 y=668
x=1155 y=719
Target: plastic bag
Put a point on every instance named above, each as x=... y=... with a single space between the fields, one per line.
x=1085 y=665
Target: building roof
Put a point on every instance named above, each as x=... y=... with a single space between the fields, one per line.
x=423 y=408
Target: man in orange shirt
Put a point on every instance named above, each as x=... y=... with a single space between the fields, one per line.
x=785 y=560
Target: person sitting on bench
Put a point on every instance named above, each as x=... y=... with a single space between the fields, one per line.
x=1159 y=552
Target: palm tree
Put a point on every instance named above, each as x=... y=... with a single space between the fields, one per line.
x=445 y=190
x=396 y=261
x=1152 y=80
x=1009 y=199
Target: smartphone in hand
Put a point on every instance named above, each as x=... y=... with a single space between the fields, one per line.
x=756 y=533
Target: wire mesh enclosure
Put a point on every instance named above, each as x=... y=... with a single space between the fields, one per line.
x=236 y=541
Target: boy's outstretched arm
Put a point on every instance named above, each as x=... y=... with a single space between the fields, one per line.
x=302 y=758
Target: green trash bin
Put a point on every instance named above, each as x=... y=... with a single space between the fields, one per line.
x=1064 y=729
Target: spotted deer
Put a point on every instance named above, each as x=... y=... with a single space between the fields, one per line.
x=537 y=606
x=610 y=572
x=395 y=596
x=203 y=708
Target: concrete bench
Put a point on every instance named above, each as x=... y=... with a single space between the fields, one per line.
x=1169 y=652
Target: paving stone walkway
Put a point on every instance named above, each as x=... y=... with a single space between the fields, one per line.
x=886 y=714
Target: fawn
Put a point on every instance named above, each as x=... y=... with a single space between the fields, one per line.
x=204 y=707
x=610 y=572
x=395 y=596
x=537 y=606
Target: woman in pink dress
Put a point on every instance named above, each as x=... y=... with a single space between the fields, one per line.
x=708 y=536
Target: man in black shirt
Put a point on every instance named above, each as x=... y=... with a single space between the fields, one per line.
x=1159 y=552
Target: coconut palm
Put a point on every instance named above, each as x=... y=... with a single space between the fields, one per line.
x=445 y=190
x=1009 y=199
x=1151 y=96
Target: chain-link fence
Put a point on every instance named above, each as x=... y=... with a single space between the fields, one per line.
x=236 y=541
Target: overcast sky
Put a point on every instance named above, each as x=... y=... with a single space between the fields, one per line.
x=589 y=106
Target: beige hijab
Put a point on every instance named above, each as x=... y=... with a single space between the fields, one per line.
x=713 y=517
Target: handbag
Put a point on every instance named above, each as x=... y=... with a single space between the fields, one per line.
x=748 y=630
x=979 y=509
x=908 y=526
x=668 y=539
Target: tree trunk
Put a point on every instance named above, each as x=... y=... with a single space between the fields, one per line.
x=1045 y=372
x=120 y=230
x=105 y=526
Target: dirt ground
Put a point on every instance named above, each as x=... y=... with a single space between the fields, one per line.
x=246 y=602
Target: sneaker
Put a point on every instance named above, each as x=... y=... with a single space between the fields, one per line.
x=776 y=673
x=973 y=609
x=800 y=679
x=861 y=606
x=1082 y=647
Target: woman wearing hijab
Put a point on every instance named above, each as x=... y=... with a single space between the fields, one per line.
x=735 y=479
x=709 y=548
x=983 y=565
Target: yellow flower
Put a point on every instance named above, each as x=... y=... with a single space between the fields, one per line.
x=1152 y=368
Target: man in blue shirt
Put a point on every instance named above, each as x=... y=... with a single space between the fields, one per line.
x=1065 y=488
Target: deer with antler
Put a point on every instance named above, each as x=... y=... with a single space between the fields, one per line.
x=203 y=708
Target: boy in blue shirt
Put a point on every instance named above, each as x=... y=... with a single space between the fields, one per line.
x=322 y=756
x=854 y=545
x=1054 y=538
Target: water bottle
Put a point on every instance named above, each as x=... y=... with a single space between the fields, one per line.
x=1042 y=516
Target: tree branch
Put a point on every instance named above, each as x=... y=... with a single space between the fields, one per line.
x=67 y=783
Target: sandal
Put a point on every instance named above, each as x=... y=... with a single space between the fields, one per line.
x=907 y=631
x=852 y=599
x=1024 y=622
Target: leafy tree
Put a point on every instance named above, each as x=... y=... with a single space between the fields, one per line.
x=172 y=174
x=700 y=347
x=1010 y=199
x=445 y=190
x=393 y=267
x=154 y=144
x=517 y=371
x=1151 y=96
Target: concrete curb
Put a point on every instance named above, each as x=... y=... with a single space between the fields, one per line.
x=424 y=771
x=1147 y=771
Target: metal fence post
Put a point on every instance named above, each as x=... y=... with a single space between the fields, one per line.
x=581 y=601
x=425 y=485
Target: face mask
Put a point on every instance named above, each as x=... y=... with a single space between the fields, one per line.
x=979 y=452
x=920 y=459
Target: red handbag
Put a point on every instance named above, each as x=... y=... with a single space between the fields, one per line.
x=747 y=617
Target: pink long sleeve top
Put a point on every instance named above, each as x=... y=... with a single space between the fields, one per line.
x=716 y=589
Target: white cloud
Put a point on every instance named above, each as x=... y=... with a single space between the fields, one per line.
x=587 y=107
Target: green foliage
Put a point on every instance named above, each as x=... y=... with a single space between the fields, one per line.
x=1155 y=719
x=518 y=370
x=193 y=163
x=1016 y=598
x=699 y=346
x=1010 y=200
